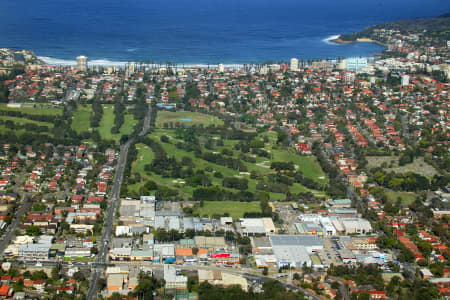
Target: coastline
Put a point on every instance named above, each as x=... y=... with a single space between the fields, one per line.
x=359 y=40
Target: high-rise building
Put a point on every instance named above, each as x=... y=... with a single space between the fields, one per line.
x=294 y=64
x=82 y=63
x=405 y=80
x=221 y=68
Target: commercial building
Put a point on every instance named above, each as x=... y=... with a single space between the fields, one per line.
x=173 y=278
x=34 y=251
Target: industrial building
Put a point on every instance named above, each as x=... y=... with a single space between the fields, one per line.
x=294 y=250
x=257 y=226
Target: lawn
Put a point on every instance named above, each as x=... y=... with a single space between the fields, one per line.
x=35 y=109
x=196 y=118
x=407 y=198
x=81 y=118
x=235 y=209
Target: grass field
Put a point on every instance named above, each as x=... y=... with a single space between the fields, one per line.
x=197 y=118
x=407 y=198
x=235 y=209
x=35 y=109
x=81 y=118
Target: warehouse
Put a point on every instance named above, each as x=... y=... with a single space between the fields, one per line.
x=292 y=256
x=310 y=242
x=294 y=250
x=257 y=226
x=356 y=225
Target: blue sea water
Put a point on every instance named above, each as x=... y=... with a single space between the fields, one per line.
x=200 y=31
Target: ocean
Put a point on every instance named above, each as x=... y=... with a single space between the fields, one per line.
x=198 y=32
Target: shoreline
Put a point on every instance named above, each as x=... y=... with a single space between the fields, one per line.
x=359 y=40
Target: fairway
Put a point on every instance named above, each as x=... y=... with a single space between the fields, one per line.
x=190 y=118
x=81 y=118
x=34 y=109
x=145 y=156
x=107 y=123
x=235 y=209
x=306 y=164
x=25 y=121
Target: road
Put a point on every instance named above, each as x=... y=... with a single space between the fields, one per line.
x=9 y=234
x=24 y=206
x=112 y=207
x=251 y=277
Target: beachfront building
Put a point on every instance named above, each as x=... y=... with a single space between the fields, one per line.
x=82 y=62
x=355 y=63
x=294 y=64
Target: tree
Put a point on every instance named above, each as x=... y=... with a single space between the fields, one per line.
x=147 y=285
x=364 y=296
x=55 y=273
x=39 y=275
x=79 y=276
x=115 y=296
x=265 y=271
x=425 y=247
x=195 y=250
x=33 y=230
x=94 y=250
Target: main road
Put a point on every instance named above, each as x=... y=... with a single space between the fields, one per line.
x=112 y=207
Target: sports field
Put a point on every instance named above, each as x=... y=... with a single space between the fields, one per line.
x=235 y=209
x=34 y=109
x=187 y=118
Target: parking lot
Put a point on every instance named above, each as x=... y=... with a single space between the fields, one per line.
x=329 y=254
